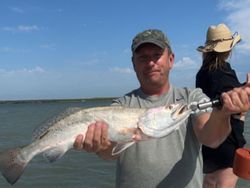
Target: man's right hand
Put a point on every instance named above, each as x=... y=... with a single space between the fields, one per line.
x=96 y=140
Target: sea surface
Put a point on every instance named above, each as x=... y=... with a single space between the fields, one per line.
x=75 y=169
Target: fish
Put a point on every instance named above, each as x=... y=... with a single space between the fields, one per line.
x=55 y=137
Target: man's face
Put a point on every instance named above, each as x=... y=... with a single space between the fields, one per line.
x=152 y=65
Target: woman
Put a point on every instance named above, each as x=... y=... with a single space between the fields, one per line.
x=214 y=77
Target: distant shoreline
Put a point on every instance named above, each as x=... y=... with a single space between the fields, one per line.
x=55 y=100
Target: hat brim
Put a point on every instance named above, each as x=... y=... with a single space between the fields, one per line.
x=220 y=46
x=152 y=41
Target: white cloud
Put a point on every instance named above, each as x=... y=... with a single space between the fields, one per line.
x=244 y=48
x=35 y=70
x=17 y=10
x=27 y=28
x=91 y=61
x=50 y=46
x=36 y=84
x=59 y=10
x=185 y=63
x=122 y=70
x=126 y=51
x=238 y=20
x=21 y=28
x=233 y=4
x=7 y=49
x=23 y=71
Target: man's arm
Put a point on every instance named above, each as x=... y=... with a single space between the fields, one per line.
x=212 y=129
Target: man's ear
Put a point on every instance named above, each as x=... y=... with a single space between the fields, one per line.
x=171 y=60
x=132 y=59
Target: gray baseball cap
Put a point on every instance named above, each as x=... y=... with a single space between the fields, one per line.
x=153 y=36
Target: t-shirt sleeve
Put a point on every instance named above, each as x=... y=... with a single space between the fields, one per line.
x=223 y=81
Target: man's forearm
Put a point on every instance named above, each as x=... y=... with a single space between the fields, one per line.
x=216 y=129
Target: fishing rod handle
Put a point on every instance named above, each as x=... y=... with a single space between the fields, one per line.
x=212 y=103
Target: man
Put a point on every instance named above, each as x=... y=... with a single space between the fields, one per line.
x=174 y=160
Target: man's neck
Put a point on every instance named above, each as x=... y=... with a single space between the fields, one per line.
x=156 y=91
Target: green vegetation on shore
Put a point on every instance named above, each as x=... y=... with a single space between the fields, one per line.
x=55 y=100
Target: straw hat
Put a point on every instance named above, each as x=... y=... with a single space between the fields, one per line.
x=219 y=39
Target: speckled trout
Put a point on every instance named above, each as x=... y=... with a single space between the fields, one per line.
x=55 y=137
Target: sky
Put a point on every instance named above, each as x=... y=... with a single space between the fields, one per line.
x=67 y=49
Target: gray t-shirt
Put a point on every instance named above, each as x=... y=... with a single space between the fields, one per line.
x=172 y=161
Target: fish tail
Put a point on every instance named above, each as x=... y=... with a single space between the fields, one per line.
x=12 y=164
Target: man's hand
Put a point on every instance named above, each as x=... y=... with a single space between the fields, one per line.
x=238 y=99
x=96 y=138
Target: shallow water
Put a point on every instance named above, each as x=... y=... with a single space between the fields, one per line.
x=75 y=169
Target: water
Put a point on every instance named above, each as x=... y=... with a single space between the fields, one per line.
x=75 y=169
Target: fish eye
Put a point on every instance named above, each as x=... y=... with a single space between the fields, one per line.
x=170 y=107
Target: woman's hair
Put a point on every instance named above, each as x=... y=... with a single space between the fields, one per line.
x=214 y=60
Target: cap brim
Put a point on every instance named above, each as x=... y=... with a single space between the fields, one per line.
x=157 y=43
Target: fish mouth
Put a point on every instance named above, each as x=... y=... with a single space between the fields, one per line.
x=179 y=110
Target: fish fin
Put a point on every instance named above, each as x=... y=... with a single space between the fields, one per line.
x=120 y=147
x=55 y=153
x=12 y=164
x=44 y=127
